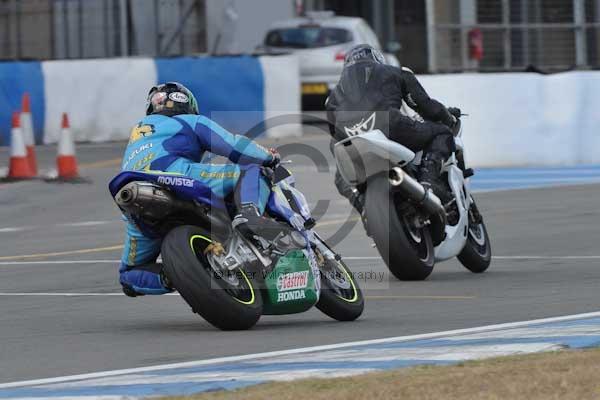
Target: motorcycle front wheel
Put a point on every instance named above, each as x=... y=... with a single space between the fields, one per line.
x=404 y=244
x=476 y=256
x=341 y=297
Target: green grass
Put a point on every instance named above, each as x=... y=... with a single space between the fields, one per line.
x=568 y=375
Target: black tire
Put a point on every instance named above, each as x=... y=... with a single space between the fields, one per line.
x=345 y=301
x=189 y=271
x=406 y=258
x=477 y=253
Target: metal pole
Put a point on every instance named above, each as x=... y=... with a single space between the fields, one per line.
x=539 y=35
x=106 y=28
x=525 y=33
x=6 y=19
x=390 y=13
x=377 y=17
x=580 y=34
x=66 y=29
x=124 y=17
x=80 y=27
x=468 y=18
x=157 y=34
x=180 y=27
x=596 y=48
x=431 y=37
x=507 y=38
x=18 y=23
x=182 y=36
x=52 y=29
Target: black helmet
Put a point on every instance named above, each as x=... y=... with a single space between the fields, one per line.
x=171 y=98
x=363 y=52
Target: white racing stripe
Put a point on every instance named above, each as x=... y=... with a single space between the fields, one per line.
x=285 y=353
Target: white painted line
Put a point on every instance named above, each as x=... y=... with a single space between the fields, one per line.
x=533 y=186
x=60 y=262
x=506 y=258
x=535 y=181
x=15 y=229
x=56 y=294
x=50 y=262
x=11 y=229
x=547 y=257
x=517 y=172
x=87 y=223
x=259 y=356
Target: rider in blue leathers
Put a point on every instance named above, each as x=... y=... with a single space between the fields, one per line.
x=172 y=138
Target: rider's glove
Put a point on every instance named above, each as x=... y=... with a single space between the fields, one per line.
x=455 y=111
x=449 y=121
x=275 y=159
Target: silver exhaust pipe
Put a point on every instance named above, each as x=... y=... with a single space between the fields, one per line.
x=412 y=189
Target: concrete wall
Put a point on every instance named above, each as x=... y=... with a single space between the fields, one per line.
x=240 y=93
x=525 y=119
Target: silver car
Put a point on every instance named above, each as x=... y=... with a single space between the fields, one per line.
x=321 y=40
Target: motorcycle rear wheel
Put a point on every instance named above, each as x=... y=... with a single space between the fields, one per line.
x=223 y=304
x=407 y=250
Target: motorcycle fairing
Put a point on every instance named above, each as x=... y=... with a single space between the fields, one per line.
x=456 y=236
x=365 y=155
x=280 y=206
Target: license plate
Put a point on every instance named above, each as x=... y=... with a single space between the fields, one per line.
x=314 y=88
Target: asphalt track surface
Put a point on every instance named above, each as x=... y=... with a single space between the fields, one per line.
x=60 y=239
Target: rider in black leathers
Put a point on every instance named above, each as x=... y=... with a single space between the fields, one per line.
x=369 y=96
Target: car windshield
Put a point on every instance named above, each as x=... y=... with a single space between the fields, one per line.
x=307 y=37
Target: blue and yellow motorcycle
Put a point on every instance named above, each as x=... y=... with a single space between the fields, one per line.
x=230 y=279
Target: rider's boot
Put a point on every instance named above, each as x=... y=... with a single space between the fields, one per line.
x=249 y=222
x=431 y=171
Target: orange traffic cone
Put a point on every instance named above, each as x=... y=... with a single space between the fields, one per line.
x=27 y=127
x=19 y=165
x=65 y=160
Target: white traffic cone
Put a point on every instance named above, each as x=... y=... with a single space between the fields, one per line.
x=66 y=162
x=27 y=127
x=19 y=167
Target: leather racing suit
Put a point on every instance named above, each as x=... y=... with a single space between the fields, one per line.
x=369 y=96
x=176 y=145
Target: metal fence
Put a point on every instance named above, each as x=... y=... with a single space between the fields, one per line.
x=509 y=35
x=59 y=29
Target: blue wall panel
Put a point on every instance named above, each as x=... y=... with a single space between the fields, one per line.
x=17 y=78
x=221 y=85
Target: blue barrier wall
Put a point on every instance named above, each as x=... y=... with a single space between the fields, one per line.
x=17 y=78
x=221 y=85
